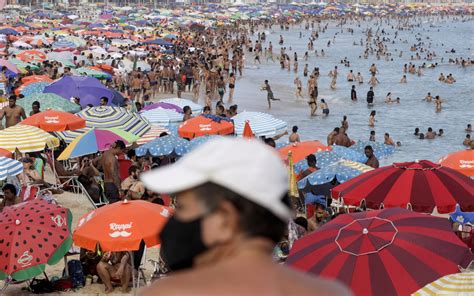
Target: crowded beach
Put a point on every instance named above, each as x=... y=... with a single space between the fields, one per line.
x=236 y=149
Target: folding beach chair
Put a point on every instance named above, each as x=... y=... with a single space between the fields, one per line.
x=82 y=190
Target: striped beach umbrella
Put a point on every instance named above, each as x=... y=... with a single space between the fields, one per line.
x=95 y=140
x=162 y=116
x=163 y=146
x=9 y=167
x=26 y=138
x=104 y=117
x=64 y=43
x=453 y=284
x=382 y=252
x=262 y=124
x=419 y=185
x=196 y=108
x=154 y=132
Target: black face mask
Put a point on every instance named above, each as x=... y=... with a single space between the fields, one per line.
x=181 y=242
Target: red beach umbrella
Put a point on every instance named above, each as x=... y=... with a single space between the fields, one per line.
x=55 y=121
x=421 y=185
x=34 y=233
x=383 y=252
x=205 y=125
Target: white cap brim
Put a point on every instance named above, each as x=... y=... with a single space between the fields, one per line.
x=172 y=178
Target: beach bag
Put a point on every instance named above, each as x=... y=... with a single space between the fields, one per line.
x=63 y=285
x=76 y=274
x=41 y=286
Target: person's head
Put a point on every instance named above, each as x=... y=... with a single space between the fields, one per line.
x=319 y=212
x=104 y=101
x=417 y=130
x=118 y=147
x=187 y=110
x=372 y=113
x=369 y=152
x=469 y=126
x=138 y=106
x=35 y=106
x=430 y=130
x=222 y=203
x=206 y=110
x=27 y=163
x=220 y=110
x=266 y=81
x=295 y=129
x=389 y=94
x=422 y=136
x=301 y=221
x=233 y=109
x=311 y=160
x=353 y=87
x=12 y=101
x=468 y=136
x=372 y=133
x=429 y=94
x=133 y=171
x=386 y=135
x=371 y=88
x=440 y=132
x=9 y=192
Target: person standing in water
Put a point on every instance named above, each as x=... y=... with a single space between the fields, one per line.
x=438 y=103
x=370 y=96
x=299 y=87
x=372 y=119
x=324 y=107
x=270 y=96
x=353 y=93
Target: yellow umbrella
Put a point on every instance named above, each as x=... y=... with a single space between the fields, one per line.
x=452 y=284
x=26 y=138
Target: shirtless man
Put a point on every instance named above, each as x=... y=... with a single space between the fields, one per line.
x=372 y=161
x=13 y=113
x=430 y=134
x=341 y=139
x=388 y=140
x=299 y=87
x=10 y=197
x=330 y=138
x=270 y=96
x=294 y=137
x=135 y=87
x=404 y=79
x=428 y=97
x=110 y=166
x=438 y=103
x=226 y=240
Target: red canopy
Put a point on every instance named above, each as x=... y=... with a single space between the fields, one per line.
x=55 y=121
x=421 y=185
x=383 y=252
x=204 y=126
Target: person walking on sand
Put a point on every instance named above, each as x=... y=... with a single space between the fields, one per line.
x=270 y=96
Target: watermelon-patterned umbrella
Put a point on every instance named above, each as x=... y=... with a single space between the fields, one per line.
x=34 y=233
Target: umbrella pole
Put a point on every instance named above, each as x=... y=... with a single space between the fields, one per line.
x=54 y=167
x=133 y=274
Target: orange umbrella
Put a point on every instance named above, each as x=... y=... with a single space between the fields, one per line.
x=248 y=133
x=121 y=226
x=5 y=153
x=36 y=78
x=462 y=161
x=302 y=149
x=55 y=121
x=205 y=125
x=32 y=56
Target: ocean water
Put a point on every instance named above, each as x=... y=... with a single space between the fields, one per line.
x=399 y=120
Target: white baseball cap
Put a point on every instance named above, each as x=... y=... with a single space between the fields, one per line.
x=248 y=167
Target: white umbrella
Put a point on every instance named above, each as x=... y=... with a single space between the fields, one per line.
x=262 y=124
x=21 y=44
x=162 y=116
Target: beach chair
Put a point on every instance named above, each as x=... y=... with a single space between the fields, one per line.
x=68 y=183
x=29 y=192
x=82 y=191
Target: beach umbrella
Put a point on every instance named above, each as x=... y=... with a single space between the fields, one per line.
x=26 y=138
x=461 y=217
x=5 y=153
x=21 y=44
x=31 y=88
x=9 y=167
x=380 y=149
x=154 y=132
x=262 y=124
x=106 y=117
x=461 y=161
x=93 y=73
x=163 y=105
x=420 y=185
x=64 y=44
x=181 y=103
x=121 y=226
x=196 y=142
x=300 y=150
x=54 y=121
x=342 y=170
x=159 y=41
x=382 y=252
x=163 y=146
x=34 y=233
x=349 y=154
x=10 y=66
x=88 y=89
x=205 y=125
x=48 y=101
x=162 y=116
x=452 y=284
x=32 y=56
x=36 y=78
x=96 y=140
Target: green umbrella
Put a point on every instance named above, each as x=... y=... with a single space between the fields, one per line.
x=23 y=65
x=48 y=101
x=92 y=73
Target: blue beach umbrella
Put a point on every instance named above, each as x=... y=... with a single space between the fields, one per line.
x=9 y=167
x=198 y=141
x=34 y=88
x=349 y=154
x=343 y=170
x=380 y=149
x=163 y=146
x=462 y=217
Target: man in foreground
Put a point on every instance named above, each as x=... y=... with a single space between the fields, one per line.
x=232 y=209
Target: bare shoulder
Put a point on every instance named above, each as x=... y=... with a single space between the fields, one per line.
x=304 y=284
